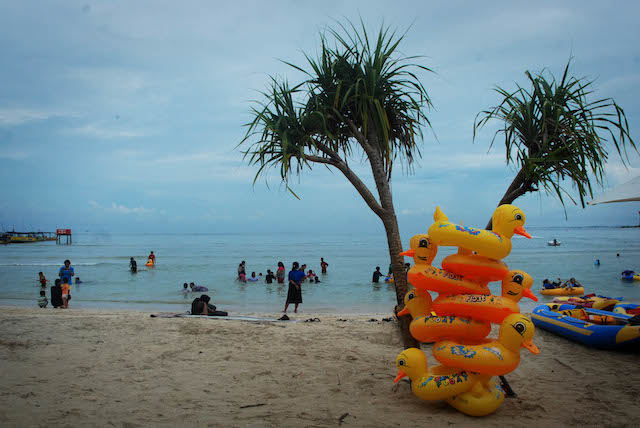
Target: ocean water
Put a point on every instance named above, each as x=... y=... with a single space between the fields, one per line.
x=101 y=261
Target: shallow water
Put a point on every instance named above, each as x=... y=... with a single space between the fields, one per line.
x=101 y=261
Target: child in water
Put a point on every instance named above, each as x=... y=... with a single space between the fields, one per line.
x=42 y=300
x=42 y=279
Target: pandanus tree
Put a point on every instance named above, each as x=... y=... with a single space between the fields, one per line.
x=360 y=101
x=555 y=133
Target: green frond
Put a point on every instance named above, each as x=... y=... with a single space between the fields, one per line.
x=558 y=132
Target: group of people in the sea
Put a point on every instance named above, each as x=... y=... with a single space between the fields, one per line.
x=569 y=284
x=389 y=278
x=280 y=273
x=133 y=265
x=297 y=275
x=60 y=292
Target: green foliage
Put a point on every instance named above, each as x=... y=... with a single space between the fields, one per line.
x=555 y=132
x=356 y=93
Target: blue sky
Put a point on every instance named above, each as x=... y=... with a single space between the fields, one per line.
x=124 y=116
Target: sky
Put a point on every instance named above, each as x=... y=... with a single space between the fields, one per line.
x=121 y=116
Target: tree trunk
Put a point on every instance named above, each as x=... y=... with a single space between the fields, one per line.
x=399 y=276
x=516 y=189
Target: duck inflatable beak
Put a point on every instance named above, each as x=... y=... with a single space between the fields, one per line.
x=401 y=374
x=528 y=293
x=520 y=231
x=408 y=253
x=404 y=311
x=531 y=347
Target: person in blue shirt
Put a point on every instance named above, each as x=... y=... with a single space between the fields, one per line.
x=66 y=271
x=295 y=289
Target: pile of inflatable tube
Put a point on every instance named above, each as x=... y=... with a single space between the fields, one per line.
x=149 y=263
x=619 y=329
x=460 y=318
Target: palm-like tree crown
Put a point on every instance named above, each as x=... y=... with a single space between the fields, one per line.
x=552 y=132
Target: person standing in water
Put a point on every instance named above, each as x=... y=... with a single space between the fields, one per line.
x=151 y=258
x=133 y=265
x=294 y=294
x=376 y=274
x=280 y=273
x=66 y=271
x=323 y=265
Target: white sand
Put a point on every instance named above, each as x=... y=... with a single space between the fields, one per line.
x=125 y=369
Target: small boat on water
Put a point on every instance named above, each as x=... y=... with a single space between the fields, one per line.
x=591 y=327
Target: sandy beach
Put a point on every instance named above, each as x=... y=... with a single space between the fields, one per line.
x=127 y=369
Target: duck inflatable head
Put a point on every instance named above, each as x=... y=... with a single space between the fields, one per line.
x=422 y=249
x=417 y=304
x=508 y=220
x=517 y=285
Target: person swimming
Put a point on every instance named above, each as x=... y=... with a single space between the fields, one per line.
x=253 y=277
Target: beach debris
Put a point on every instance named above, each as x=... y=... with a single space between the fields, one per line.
x=253 y=405
x=284 y=318
x=312 y=320
x=342 y=418
x=372 y=320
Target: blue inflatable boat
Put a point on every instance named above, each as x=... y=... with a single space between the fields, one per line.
x=550 y=317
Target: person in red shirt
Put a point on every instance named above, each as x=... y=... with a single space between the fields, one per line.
x=42 y=279
x=323 y=265
x=151 y=258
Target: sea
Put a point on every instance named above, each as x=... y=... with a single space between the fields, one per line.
x=101 y=261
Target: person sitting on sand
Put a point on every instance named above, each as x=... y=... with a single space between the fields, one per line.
x=571 y=283
x=42 y=300
x=376 y=274
x=42 y=279
x=201 y=306
x=270 y=277
x=253 y=277
x=195 y=287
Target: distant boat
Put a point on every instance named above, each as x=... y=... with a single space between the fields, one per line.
x=554 y=243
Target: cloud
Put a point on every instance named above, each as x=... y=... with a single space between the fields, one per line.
x=14 y=155
x=98 y=131
x=122 y=209
x=18 y=116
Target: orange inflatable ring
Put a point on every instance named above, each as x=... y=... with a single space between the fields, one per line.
x=425 y=277
x=483 y=308
x=495 y=357
x=429 y=329
x=476 y=267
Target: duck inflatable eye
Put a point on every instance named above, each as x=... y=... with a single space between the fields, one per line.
x=402 y=363
x=411 y=296
x=424 y=243
x=518 y=216
x=520 y=327
x=517 y=278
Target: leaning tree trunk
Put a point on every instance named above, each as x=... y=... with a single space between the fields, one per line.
x=399 y=276
x=390 y=221
x=519 y=186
